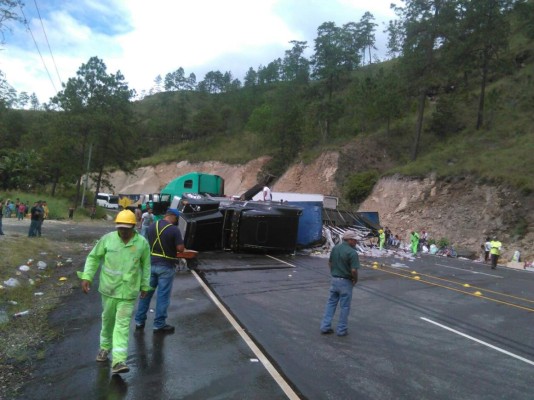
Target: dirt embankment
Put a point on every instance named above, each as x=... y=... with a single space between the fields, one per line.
x=461 y=210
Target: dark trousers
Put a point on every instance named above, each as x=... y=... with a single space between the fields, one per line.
x=494 y=259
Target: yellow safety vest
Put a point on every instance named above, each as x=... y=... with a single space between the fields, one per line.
x=158 y=241
x=495 y=247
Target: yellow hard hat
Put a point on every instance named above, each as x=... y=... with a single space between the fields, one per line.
x=125 y=219
x=380 y=231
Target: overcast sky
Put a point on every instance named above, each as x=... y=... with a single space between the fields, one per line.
x=144 y=39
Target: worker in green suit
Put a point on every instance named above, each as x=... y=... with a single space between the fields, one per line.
x=124 y=257
x=414 y=239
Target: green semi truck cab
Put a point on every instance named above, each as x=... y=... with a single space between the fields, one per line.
x=195 y=182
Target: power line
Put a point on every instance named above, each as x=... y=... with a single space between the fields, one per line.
x=47 y=42
x=36 y=46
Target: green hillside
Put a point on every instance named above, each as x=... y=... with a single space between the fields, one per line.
x=455 y=99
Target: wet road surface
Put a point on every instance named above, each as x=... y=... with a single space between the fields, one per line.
x=415 y=331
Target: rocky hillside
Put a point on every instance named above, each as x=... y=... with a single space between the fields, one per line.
x=461 y=210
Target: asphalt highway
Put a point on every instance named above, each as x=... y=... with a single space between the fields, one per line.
x=247 y=327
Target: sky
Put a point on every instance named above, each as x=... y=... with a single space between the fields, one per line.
x=144 y=39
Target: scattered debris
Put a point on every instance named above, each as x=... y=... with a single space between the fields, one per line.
x=22 y=313
x=41 y=265
x=12 y=282
x=24 y=268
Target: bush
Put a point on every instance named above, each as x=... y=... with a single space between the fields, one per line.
x=359 y=186
x=443 y=242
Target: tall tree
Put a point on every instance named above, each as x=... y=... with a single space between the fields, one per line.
x=481 y=35
x=422 y=29
x=367 y=29
x=295 y=66
x=98 y=104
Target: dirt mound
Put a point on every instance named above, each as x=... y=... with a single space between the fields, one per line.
x=461 y=211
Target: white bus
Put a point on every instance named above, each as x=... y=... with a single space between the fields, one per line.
x=107 y=200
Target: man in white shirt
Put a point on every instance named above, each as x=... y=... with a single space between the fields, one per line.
x=267 y=195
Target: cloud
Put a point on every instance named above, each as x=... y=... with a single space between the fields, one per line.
x=143 y=39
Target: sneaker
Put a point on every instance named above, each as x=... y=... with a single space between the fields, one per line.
x=164 y=329
x=343 y=333
x=102 y=355
x=139 y=327
x=327 y=332
x=120 y=368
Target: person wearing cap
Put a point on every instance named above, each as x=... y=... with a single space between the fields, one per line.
x=124 y=257
x=344 y=264
x=165 y=242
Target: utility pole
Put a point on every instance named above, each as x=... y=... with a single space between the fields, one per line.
x=86 y=174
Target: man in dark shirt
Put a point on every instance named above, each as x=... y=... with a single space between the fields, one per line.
x=344 y=264
x=36 y=219
x=165 y=242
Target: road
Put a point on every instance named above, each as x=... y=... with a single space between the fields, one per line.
x=429 y=328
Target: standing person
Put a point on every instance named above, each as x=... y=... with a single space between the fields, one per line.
x=146 y=221
x=46 y=210
x=21 y=211
x=267 y=194
x=495 y=251
x=138 y=216
x=487 y=249
x=165 y=241
x=382 y=239
x=125 y=272
x=389 y=236
x=344 y=264
x=39 y=226
x=414 y=240
x=1 y=216
x=35 y=218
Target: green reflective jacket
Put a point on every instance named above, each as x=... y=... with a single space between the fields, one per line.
x=125 y=267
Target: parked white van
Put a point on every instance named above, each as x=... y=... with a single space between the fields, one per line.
x=107 y=200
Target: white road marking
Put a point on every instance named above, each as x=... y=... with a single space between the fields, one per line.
x=473 y=272
x=480 y=341
x=282 y=261
x=250 y=343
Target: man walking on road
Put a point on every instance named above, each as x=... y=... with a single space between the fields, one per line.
x=165 y=242
x=344 y=264
x=125 y=259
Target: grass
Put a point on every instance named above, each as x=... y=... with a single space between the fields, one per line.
x=235 y=149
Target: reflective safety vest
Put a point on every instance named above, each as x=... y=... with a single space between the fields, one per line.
x=495 y=247
x=158 y=241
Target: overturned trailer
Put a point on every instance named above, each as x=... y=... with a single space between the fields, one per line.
x=214 y=224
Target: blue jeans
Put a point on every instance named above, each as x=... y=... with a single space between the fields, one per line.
x=161 y=279
x=340 y=292
x=34 y=226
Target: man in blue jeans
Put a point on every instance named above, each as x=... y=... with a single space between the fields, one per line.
x=165 y=242
x=344 y=264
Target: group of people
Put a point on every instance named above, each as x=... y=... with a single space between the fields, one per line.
x=133 y=265
x=38 y=213
x=387 y=239
x=16 y=208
